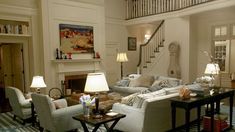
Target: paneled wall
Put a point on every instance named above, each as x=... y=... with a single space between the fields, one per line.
x=55 y=12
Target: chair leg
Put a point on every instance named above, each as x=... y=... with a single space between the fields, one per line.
x=14 y=117
x=41 y=129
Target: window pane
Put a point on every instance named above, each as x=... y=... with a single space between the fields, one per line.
x=223 y=30
x=217 y=31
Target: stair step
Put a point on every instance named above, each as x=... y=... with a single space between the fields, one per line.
x=148 y=61
x=161 y=45
x=152 y=56
x=156 y=51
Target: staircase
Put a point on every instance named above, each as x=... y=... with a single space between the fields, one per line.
x=151 y=48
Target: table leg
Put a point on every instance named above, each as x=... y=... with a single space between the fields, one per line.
x=198 y=118
x=33 y=119
x=96 y=127
x=187 y=117
x=84 y=126
x=173 y=110
x=212 y=116
x=113 y=125
x=231 y=111
x=218 y=106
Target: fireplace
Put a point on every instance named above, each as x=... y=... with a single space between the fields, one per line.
x=75 y=83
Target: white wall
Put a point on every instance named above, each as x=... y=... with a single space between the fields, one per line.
x=116 y=39
x=202 y=24
x=55 y=12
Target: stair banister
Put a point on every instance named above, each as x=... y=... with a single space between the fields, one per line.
x=146 y=44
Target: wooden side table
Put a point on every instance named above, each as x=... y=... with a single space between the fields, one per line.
x=97 y=122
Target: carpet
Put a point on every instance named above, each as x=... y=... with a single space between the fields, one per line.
x=7 y=124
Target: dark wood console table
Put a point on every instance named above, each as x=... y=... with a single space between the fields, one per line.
x=97 y=122
x=197 y=102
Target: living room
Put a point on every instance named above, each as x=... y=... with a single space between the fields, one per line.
x=191 y=28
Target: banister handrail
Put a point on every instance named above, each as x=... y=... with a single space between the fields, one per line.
x=142 y=8
x=145 y=44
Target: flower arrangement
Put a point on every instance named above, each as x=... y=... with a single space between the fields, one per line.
x=86 y=100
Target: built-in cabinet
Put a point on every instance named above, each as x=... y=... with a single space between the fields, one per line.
x=14 y=40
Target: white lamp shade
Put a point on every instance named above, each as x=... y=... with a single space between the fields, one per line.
x=96 y=82
x=38 y=82
x=122 y=57
x=212 y=68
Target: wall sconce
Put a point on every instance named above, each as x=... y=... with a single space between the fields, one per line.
x=146 y=37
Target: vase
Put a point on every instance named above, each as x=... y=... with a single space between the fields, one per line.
x=86 y=111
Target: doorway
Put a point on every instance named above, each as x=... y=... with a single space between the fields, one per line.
x=12 y=65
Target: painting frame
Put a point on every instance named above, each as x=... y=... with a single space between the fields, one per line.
x=132 y=43
x=76 y=39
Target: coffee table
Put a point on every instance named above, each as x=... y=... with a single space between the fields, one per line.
x=98 y=122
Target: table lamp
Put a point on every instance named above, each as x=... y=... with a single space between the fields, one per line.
x=212 y=69
x=95 y=83
x=38 y=83
x=122 y=57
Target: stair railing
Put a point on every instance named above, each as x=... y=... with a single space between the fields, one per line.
x=141 y=8
x=148 y=49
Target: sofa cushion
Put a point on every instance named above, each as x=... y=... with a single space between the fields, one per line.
x=173 y=89
x=138 y=101
x=142 y=81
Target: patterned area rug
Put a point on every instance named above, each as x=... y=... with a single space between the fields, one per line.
x=7 y=124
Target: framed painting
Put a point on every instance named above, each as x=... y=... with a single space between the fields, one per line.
x=132 y=43
x=76 y=38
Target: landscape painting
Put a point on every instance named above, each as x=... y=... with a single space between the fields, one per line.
x=76 y=38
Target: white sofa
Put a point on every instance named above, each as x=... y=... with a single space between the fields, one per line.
x=153 y=116
x=123 y=86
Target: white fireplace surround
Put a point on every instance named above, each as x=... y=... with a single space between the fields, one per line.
x=75 y=67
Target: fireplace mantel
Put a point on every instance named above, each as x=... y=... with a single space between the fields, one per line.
x=67 y=67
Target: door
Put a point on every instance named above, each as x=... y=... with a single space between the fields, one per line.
x=12 y=67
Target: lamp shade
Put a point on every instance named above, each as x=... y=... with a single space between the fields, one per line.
x=122 y=57
x=38 y=82
x=96 y=82
x=212 y=68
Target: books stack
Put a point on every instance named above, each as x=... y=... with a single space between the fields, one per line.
x=219 y=123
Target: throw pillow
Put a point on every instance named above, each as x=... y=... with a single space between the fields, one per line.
x=129 y=100
x=172 y=81
x=60 y=103
x=142 y=81
x=123 y=83
x=159 y=84
x=141 y=97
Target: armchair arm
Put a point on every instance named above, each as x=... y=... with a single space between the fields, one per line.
x=62 y=118
x=26 y=103
x=133 y=116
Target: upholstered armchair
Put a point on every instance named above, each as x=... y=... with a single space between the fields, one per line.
x=54 y=119
x=21 y=107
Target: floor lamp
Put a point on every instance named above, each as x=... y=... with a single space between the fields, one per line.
x=122 y=57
